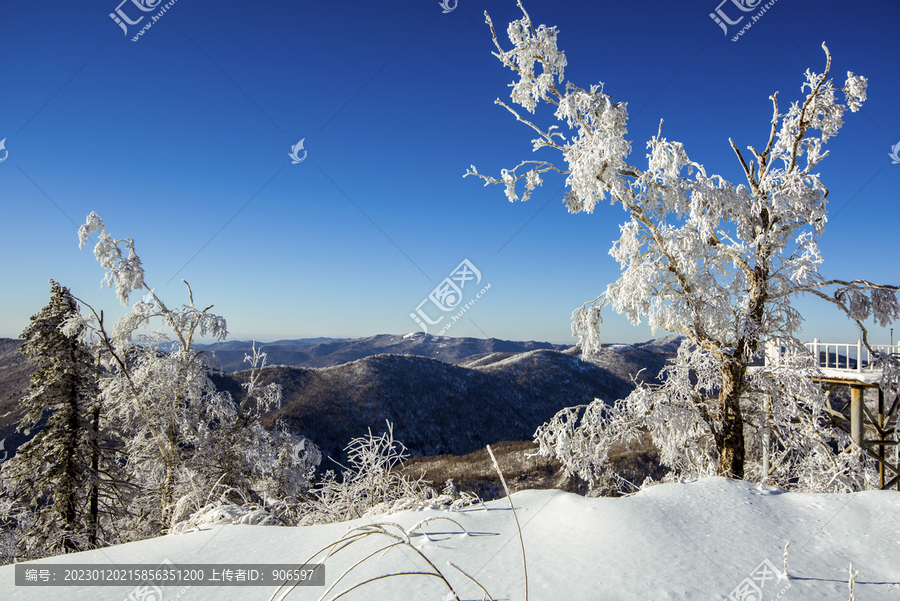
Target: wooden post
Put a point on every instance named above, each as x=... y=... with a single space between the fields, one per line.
x=772 y=352
x=766 y=441
x=881 y=438
x=857 y=417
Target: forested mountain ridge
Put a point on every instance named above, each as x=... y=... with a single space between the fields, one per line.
x=436 y=408
x=479 y=394
x=229 y=356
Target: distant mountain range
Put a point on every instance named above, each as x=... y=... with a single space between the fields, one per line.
x=328 y=352
x=241 y=344
x=443 y=395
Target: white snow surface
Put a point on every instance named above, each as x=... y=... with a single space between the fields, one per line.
x=691 y=540
x=847 y=375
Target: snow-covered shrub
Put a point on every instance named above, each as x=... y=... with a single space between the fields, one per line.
x=371 y=484
x=14 y=521
x=217 y=515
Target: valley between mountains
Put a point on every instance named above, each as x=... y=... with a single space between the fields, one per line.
x=445 y=396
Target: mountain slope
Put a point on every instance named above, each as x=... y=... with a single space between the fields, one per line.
x=15 y=374
x=229 y=356
x=436 y=408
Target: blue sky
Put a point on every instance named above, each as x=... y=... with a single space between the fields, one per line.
x=181 y=139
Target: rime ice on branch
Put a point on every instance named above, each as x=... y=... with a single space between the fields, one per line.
x=186 y=442
x=717 y=262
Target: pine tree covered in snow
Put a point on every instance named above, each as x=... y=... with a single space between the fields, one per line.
x=61 y=476
x=716 y=262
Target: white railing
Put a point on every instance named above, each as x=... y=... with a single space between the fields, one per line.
x=848 y=356
x=842 y=356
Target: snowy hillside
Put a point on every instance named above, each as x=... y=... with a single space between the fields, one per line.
x=436 y=407
x=229 y=356
x=707 y=539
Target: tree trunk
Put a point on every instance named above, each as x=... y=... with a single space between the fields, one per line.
x=94 y=519
x=167 y=490
x=731 y=443
x=69 y=478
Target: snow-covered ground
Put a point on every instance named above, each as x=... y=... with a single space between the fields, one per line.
x=707 y=539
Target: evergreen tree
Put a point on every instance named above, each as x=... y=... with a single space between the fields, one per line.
x=55 y=473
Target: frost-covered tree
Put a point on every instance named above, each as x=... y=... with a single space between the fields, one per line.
x=183 y=437
x=56 y=474
x=277 y=465
x=717 y=262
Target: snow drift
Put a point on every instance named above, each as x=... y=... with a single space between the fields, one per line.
x=706 y=539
